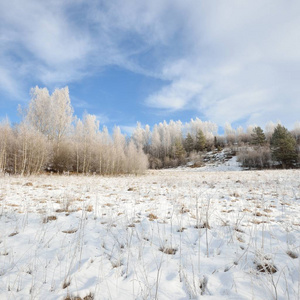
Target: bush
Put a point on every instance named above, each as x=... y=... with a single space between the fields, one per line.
x=258 y=157
x=196 y=159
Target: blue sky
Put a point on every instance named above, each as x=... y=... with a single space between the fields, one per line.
x=130 y=60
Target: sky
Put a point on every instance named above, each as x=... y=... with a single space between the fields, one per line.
x=148 y=61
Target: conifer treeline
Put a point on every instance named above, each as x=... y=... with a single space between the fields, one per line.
x=50 y=138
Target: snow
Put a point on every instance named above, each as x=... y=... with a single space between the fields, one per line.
x=217 y=166
x=107 y=236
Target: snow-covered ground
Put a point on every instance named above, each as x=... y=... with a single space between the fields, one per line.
x=166 y=235
x=216 y=166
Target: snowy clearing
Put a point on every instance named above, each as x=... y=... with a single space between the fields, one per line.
x=170 y=234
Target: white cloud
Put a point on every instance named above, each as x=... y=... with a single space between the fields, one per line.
x=245 y=56
x=230 y=60
x=103 y=119
x=175 y=96
x=41 y=43
x=128 y=130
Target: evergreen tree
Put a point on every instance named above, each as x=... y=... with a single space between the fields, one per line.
x=283 y=146
x=189 y=143
x=179 y=150
x=217 y=144
x=258 y=137
x=200 y=141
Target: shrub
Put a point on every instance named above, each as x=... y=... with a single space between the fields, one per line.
x=258 y=157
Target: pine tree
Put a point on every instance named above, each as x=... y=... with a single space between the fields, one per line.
x=200 y=141
x=283 y=147
x=189 y=143
x=258 y=137
x=179 y=150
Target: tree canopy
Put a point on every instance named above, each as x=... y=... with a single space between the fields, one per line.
x=258 y=137
x=283 y=147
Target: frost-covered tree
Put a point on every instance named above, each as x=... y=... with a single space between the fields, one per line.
x=78 y=137
x=251 y=157
x=39 y=111
x=6 y=145
x=90 y=130
x=296 y=132
x=229 y=133
x=50 y=115
x=105 y=152
x=118 y=160
x=31 y=150
x=240 y=134
x=138 y=136
x=175 y=131
x=136 y=159
x=208 y=128
x=166 y=138
x=156 y=143
x=62 y=114
x=269 y=129
x=147 y=139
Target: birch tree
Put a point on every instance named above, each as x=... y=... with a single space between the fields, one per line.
x=52 y=116
x=6 y=136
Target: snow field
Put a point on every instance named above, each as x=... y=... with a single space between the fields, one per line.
x=166 y=235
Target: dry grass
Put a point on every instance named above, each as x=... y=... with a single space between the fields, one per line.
x=181 y=229
x=66 y=284
x=50 y=218
x=258 y=214
x=204 y=225
x=61 y=210
x=88 y=297
x=89 y=208
x=257 y=222
x=174 y=212
x=240 y=239
x=70 y=231
x=292 y=254
x=13 y=234
x=12 y=205
x=266 y=268
x=170 y=251
x=152 y=217
x=184 y=210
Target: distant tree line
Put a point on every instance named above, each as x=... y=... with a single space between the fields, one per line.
x=280 y=149
x=50 y=138
x=172 y=144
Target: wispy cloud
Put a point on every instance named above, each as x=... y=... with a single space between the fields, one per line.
x=40 y=41
x=128 y=130
x=103 y=119
x=231 y=61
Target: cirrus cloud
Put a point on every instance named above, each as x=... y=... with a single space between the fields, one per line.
x=235 y=61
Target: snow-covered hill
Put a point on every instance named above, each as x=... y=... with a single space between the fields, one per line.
x=222 y=161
